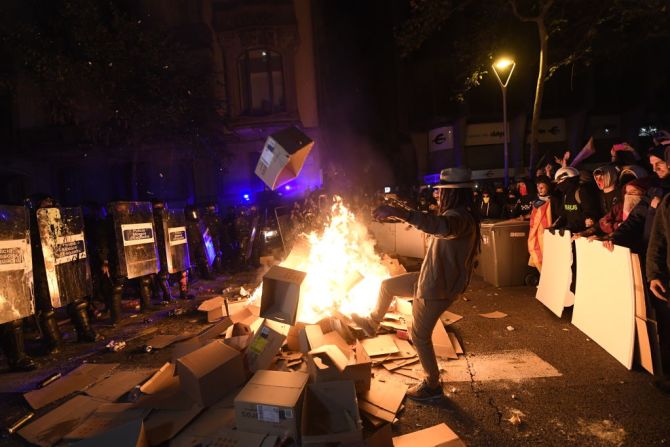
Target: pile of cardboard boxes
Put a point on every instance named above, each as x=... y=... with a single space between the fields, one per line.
x=256 y=377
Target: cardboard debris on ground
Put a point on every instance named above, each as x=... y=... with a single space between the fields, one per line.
x=118 y=384
x=382 y=437
x=207 y=425
x=328 y=363
x=50 y=428
x=450 y=317
x=330 y=414
x=442 y=342
x=383 y=399
x=162 y=341
x=380 y=345
x=455 y=343
x=265 y=344
x=496 y=314
x=77 y=380
x=169 y=395
x=411 y=373
x=163 y=425
x=106 y=418
x=268 y=403
x=227 y=438
x=214 y=308
x=131 y=434
x=436 y=436
x=280 y=300
x=238 y=336
x=160 y=380
x=209 y=373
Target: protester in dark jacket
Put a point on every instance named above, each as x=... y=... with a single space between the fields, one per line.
x=579 y=209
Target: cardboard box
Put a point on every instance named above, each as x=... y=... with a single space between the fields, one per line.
x=383 y=400
x=281 y=294
x=111 y=424
x=436 y=436
x=442 y=342
x=238 y=336
x=265 y=344
x=210 y=372
x=283 y=157
x=380 y=345
x=330 y=414
x=270 y=403
x=214 y=308
x=131 y=434
x=328 y=363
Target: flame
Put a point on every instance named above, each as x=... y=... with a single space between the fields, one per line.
x=343 y=271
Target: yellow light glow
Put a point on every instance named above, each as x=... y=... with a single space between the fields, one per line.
x=503 y=63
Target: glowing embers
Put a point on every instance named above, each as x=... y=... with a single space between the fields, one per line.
x=343 y=272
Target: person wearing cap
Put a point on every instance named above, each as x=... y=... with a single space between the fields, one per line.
x=445 y=271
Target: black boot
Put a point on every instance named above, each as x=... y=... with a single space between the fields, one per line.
x=164 y=286
x=51 y=335
x=145 y=294
x=79 y=316
x=114 y=305
x=12 y=344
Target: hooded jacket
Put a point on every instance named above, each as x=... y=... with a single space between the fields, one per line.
x=447 y=267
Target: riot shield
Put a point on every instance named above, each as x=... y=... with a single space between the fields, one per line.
x=16 y=266
x=172 y=240
x=135 y=238
x=65 y=261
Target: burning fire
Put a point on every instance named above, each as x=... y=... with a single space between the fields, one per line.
x=343 y=271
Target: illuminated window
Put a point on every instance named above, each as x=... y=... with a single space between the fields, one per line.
x=261 y=82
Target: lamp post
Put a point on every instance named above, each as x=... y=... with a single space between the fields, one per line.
x=503 y=69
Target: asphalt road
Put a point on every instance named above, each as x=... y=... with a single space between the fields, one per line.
x=563 y=388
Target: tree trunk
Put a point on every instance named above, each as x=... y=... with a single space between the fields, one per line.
x=539 y=91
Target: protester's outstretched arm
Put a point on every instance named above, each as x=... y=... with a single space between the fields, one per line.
x=453 y=223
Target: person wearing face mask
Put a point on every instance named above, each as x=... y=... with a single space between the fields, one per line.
x=609 y=194
x=544 y=210
x=635 y=231
x=633 y=192
x=489 y=208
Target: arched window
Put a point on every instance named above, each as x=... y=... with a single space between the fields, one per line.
x=261 y=82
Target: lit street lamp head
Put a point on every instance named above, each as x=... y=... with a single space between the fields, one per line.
x=503 y=68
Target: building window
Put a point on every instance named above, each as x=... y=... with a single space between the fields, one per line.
x=261 y=82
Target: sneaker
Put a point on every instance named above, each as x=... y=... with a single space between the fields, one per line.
x=422 y=392
x=365 y=323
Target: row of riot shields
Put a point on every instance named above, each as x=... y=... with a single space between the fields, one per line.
x=144 y=243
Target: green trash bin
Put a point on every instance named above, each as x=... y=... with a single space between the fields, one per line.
x=503 y=260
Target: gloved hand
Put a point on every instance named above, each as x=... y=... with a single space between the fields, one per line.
x=385 y=212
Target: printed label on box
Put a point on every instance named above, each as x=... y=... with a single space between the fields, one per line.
x=177 y=235
x=12 y=255
x=260 y=342
x=268 y=154
x=70 y=248
x=136 y=234
x=267 y=413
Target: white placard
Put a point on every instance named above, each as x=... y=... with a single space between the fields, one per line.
x=137 y=234
x=69 y=248
x=485 y=133
x=12 y=255
x=554 y=288
x=605 y=298
x=177 y=236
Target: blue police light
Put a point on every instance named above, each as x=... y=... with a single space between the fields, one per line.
x=246 y=197
x=287 y=187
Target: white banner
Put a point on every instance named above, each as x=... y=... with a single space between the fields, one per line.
x=69 y=248
x=12 y=255
x=176 y=235
x=137 y=234
x=485 y=133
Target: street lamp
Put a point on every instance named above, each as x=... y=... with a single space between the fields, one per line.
x=503 y=69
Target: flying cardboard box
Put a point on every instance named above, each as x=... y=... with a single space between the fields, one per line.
x=265 y=344
x=436 y=436
x=328 y=363
x=209 y=373
x=283 y=157
x=330 y=414
x=270 y=403
x=281 y=294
